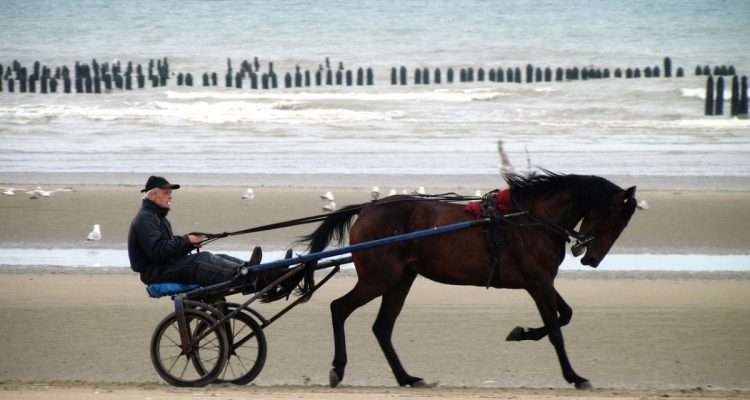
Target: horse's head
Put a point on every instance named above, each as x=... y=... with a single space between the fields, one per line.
x=603 y=225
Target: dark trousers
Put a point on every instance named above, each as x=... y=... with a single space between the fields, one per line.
x=201 y=268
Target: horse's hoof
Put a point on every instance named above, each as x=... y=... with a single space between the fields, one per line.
x=333 y=378
x=420 y=383
x=584 y=385
x=515 y=335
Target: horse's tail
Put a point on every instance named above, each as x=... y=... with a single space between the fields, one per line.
x=334 y=227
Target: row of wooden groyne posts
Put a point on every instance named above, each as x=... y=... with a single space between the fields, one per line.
x=105 y=77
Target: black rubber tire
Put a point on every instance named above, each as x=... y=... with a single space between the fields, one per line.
x=247 y=349
x=178 y=369
x=245 y=359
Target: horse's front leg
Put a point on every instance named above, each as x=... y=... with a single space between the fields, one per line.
x=545 y=298
x=520 y=333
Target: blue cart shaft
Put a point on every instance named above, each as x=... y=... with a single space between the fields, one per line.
x=438 y=230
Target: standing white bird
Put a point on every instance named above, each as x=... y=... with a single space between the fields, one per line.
x=375 y=194
x=95 y=234
x=642 y=205
x=249 y=194
x=421 y=190
x=331 y=206
x=327 y=196
x=392 y=192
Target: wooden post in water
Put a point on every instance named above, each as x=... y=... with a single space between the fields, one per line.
x=680 y=72
x=349 y=77
x=548 y=74
x=360 y=77
x=97 y=84
x=734 y=108
x=510 y=75
x=709 y=96
x=307 y=78
x=287 y=80
x=492 y=75
x=719 y=108
x=403 y=76
x=253 y=80
x=706 y=70
x=189 y=79
x=656 y=71
x=339 y=77
x=12 y=86
x=647 y=72
x=425 y=76
x=52 y=85
x=667 y=67
x=449 y=75
x=264 y=81
x=628 y=73
x=743 y=97
x=180 y=79
x=499 y=75
x=529 y=73
x=438 y=77
x=559 y=74
x=214 y=79
x=329 y=77
x=417 y=76
x=319 y=76
x=462 y=75
x=370 y=77
x=480 y=75
x=470 y=74
x=394 y=76
x=297 y=77
x=205 y=79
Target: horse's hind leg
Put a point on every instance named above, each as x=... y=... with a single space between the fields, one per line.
x=341 y=308
x=390 y=308
x=520 y=333
x=546 y=299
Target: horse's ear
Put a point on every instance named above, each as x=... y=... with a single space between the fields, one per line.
x=629 y=193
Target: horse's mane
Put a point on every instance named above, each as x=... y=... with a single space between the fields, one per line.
x=587 y=189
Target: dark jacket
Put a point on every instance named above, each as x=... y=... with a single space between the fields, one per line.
x=151 y=243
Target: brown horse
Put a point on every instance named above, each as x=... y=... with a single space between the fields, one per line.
x=533 y=248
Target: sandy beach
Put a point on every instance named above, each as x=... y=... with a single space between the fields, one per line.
x=85 y=334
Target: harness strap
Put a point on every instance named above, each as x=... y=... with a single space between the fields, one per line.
x=493 y=233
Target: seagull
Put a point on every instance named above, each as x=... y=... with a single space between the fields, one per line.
x=642 y=205
x=95 y=234
x=392 y=192
x=420 y=190
x=331 y=206
x=249 y=194
x=375 y=193
x=327 y=196
x=11 y=191
x=478 y=193
x=39 y=192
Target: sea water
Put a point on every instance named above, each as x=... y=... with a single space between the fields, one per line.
x=635 y=127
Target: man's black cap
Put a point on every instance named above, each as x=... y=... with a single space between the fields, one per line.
x=158 y=182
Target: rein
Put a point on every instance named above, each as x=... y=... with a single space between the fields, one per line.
x=445 y=197
x=581 y=240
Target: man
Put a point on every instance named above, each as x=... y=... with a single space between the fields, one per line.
x=160 y=256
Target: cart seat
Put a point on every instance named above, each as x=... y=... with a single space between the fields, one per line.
x=157 y=290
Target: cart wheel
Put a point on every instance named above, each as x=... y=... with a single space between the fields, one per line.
x=178 y=367
x=247 y=349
